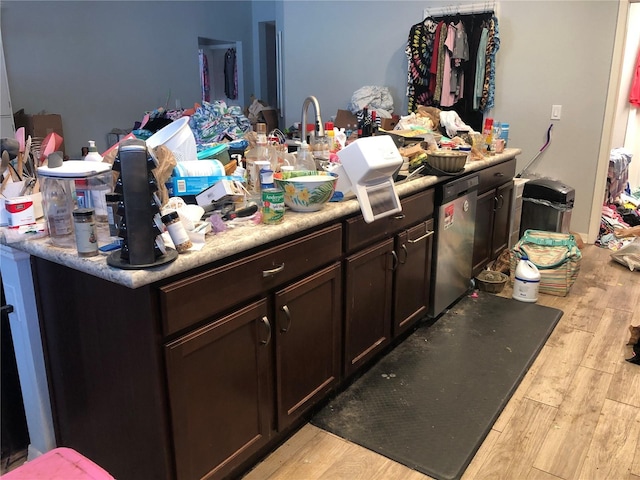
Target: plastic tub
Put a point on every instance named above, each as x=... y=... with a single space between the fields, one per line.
x=177 y=137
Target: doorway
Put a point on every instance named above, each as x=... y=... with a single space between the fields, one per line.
x=223 y=68
x=269 y=75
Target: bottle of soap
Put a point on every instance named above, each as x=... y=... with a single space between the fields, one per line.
x=93 y=155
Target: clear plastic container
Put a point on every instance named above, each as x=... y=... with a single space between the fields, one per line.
x=304 y=158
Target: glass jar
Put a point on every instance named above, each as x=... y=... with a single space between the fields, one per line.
x=86 y=235
x=177 y=232
x=57 y=197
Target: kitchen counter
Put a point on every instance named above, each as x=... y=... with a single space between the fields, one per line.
x=232 y=241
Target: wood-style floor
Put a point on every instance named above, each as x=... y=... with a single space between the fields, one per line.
x=576 y=414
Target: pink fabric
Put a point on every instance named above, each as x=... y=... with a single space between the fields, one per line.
x=59 y=464
x=634 y=96
x=447 y=99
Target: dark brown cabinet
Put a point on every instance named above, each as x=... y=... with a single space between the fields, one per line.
x=308 y=342
x=221 y=400
x=387 y=283
x=197 y=375
x=369 y=279
x=493 y=211
x=237 y=381
x=412 y=275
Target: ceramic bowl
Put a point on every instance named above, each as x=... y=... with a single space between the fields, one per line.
x=307 y=191
x=447 y=160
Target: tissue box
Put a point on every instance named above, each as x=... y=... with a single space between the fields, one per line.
x=20 y=211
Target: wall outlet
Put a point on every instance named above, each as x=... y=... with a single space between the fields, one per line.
x=556 y=112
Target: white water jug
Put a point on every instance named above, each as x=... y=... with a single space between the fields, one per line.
x=527 y=281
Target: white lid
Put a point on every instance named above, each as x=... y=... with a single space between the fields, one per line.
x=75 y=169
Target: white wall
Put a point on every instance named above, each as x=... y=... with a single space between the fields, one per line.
x=103 y=64
x=83 y=59
x=552 y=52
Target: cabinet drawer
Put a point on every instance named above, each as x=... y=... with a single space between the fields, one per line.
x=197 y=298
x=496 y=175
x=415 y=208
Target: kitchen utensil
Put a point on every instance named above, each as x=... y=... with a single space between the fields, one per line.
x=47 y=149
x=4 y=165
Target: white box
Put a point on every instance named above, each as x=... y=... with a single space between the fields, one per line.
x=215 y=192
x=20 y=211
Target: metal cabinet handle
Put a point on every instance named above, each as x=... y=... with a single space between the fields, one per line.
x=265 y=320
x=499 y=174
x=399 y=217
x=395 y=260
x=273 y=271
x=500 y=201
x=495 y=203
x=287 y=313
x=419 y=239
x=406 y=254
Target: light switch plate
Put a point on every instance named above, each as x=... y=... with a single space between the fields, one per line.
x=556 y=112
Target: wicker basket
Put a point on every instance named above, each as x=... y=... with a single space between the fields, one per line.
x=447 y=160
x=492 y=282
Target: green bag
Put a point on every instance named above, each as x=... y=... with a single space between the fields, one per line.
x=556 y=255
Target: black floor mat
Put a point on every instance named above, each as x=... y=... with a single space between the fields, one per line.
x=432 y=400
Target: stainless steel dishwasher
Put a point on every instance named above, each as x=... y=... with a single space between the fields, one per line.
x=453 y=245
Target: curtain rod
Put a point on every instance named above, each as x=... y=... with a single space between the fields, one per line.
x=465 y=8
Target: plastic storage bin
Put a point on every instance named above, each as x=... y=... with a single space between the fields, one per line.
x=546 y=205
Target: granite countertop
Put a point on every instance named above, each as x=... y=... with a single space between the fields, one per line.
x=230 y=242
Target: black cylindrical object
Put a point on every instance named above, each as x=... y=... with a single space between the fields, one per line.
x=546 y=205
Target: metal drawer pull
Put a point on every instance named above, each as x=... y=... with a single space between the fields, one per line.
x=273 y=271
x=395 y=260
x=499 y=174
x=406 y=254
x=399 y=217
x=265 y=320
x=419 y=239
x=286 y=311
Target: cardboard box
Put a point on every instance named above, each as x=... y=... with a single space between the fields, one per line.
x=40 y=125
x=344 y=118
x=389 y=123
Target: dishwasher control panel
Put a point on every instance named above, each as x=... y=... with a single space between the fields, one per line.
x=455 y=188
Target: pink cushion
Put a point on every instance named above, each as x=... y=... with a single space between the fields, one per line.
x=59 y=464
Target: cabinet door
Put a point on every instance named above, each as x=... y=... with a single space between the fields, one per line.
x=368 y=295
x=412 y=276
x=484 y=230
x=308 y=343
x=220 y=395
x=501 y=222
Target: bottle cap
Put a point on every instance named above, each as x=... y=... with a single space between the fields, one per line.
x=83 y=212
x=169 y=217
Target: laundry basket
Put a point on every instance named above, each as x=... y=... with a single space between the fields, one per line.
x=177 y=137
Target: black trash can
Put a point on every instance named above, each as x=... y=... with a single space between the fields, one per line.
x=546 y=205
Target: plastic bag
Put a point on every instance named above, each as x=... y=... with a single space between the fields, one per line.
x=629 y=255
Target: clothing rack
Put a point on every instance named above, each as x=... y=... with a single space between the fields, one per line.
x=462 y=9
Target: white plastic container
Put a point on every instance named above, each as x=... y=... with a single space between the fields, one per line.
x=527 y=281
x=177 y=137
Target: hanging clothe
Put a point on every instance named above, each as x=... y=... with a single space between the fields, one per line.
x=480 y=68
x=454 y=58
x=634 y=95
x=418 y=51
x=204 y=76
x=493 y=44
x=230 y=74
x=460 y=54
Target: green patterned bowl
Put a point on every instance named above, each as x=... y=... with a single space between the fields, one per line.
x=307 y=191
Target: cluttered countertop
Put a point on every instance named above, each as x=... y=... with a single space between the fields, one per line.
x=227 y=243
